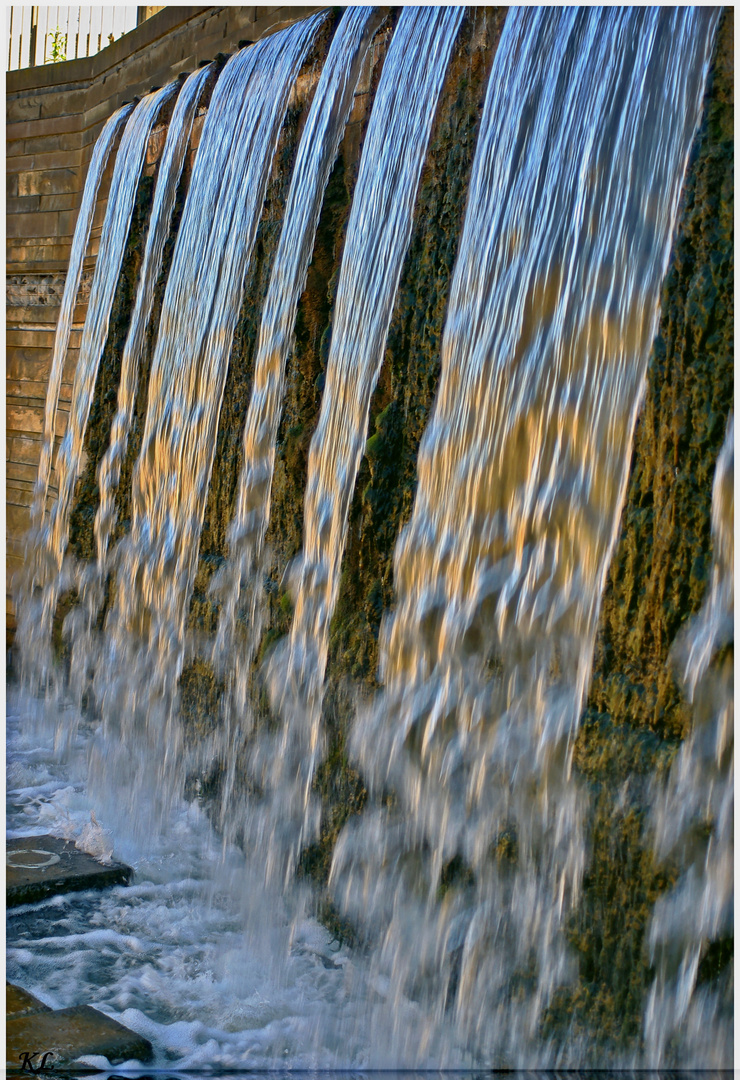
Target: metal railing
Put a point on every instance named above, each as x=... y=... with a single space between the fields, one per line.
x=45 y=35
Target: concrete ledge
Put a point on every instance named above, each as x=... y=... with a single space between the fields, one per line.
x=66 y=1035
x=41 y=866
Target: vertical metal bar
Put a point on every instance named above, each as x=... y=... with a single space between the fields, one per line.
x=10 y=38
x=51 y=23
x=32 y=37
x=23 y=35
x=41 y=35
x=105 y=27
x=94 y=30
x=58 y=27
x=41 y=43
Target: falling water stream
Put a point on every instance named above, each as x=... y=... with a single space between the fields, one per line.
x=37 y=570
x=80 y=625
x=163 y=204
x=83 y=225
x=463 y=868
x=240 y=581
x=693 y=816
x=522 y=469
x=156 y=562
x=378 y=234
x=53 y=542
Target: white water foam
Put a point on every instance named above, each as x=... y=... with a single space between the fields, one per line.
x=192 y=955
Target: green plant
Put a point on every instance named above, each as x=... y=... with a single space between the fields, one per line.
x=58 y=46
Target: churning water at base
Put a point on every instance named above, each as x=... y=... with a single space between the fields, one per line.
x=168 y=956
x=217 y=973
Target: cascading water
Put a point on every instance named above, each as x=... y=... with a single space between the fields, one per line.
x=378 y=234
x=241 y=576
x=80 y=625
x=693 y=817
x=163 y=204
x=129 y=161
x=156 y=563
x=83 y=225
x=461 y=873
x=466 y=881
x=36 y=571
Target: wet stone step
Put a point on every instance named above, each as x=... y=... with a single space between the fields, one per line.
x=41 y=866
x=66 y=1035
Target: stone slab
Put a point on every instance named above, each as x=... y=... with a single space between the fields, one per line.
x=70 y=1034
x=41 y=866
x=19 y=1002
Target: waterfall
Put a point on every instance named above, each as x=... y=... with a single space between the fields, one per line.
x=693 y=820
x=53 y=537
x=317 y=152
x=80 y=623
x=155 y=564
x=83 y=225
x=163 y=204
x=466 y=880
x=29 y=586
x=453 y=889
x=378 y=234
